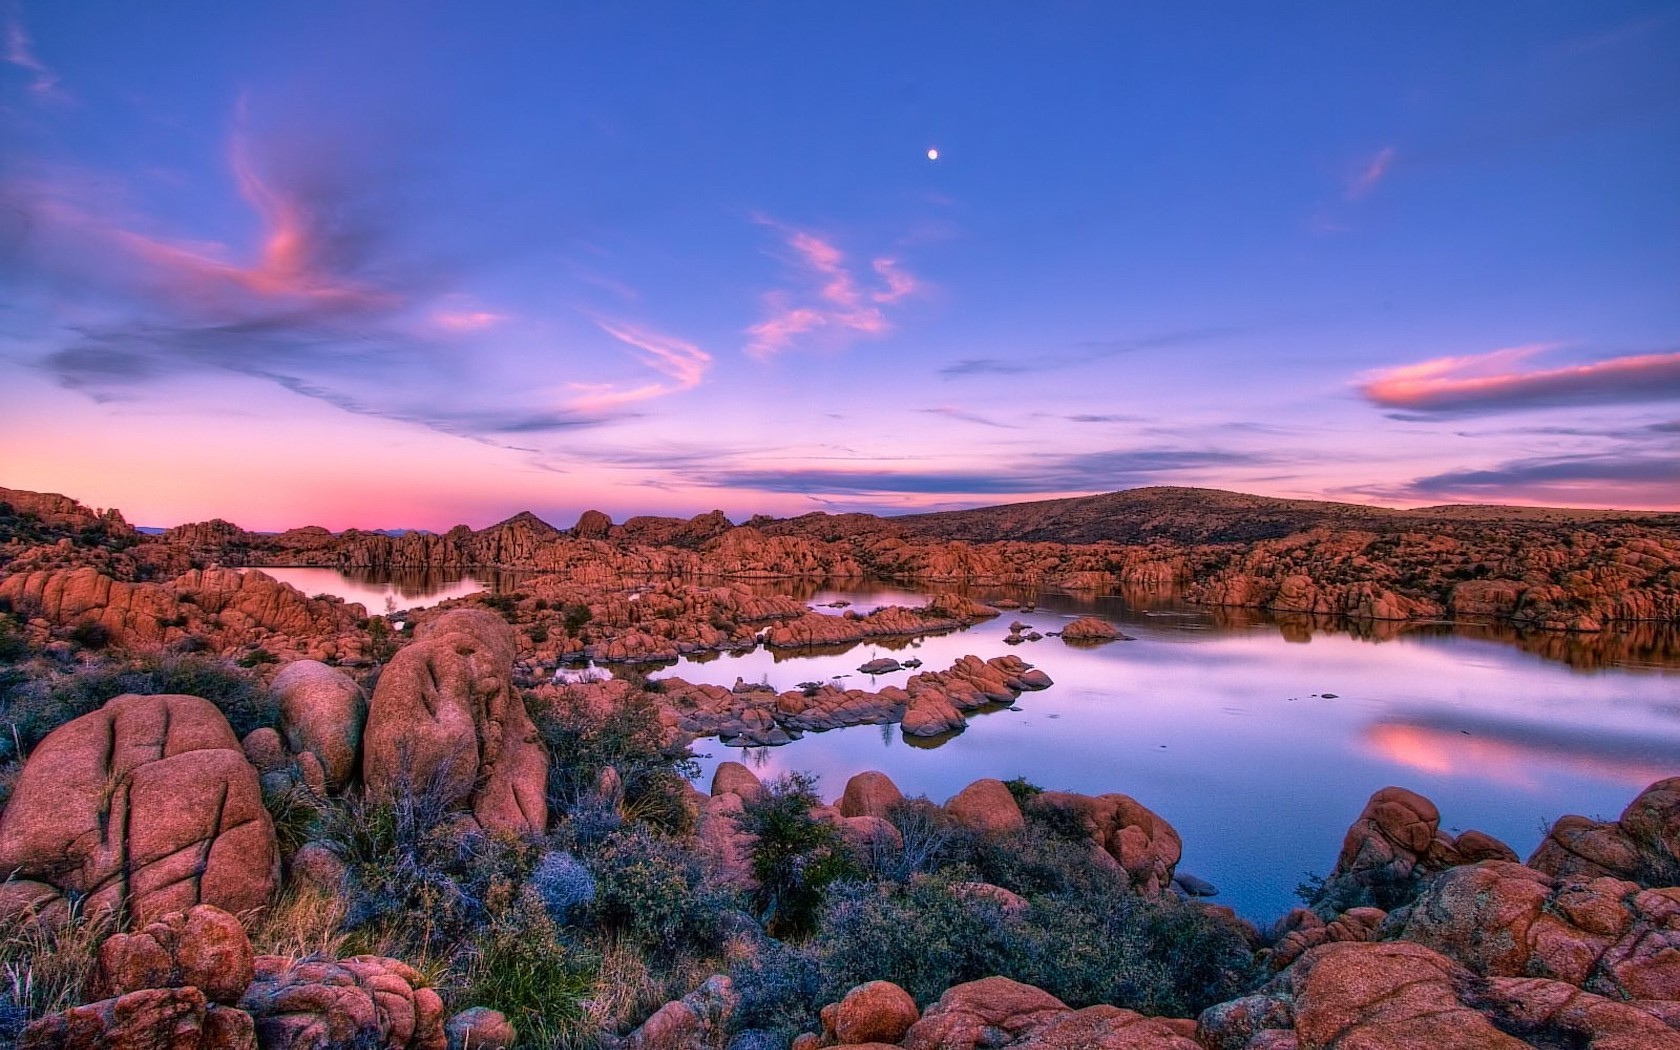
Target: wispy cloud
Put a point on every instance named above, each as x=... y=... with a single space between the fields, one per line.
x=1494 y=382
x=951 y=412
x=1372 y=172
x=683 y=364
x=832 y=301
x=1055 y=473
x=1084 y=353
x=1631 y=479
x=44 y=81
x=328 y=302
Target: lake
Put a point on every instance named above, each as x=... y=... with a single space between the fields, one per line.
x=1259 y=739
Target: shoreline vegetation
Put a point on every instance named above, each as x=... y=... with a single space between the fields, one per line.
x=235 y=816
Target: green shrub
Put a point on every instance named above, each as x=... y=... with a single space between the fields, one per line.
x=795 y=856
x=1037 y=860
x=1023 y=789
x=923 y=936
x=582 y=741
x=90 y=634
x=257 y=656
x=655 y=891
x=520 y=964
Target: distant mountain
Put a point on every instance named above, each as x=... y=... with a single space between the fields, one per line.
x=1184 y=515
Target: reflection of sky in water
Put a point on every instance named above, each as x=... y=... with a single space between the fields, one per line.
x=1220 y=724
x=379 y=591
x=1226 y=732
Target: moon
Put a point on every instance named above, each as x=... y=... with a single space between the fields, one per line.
x=933 y=154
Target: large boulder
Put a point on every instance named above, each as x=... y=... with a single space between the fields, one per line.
x=322 y=713
x=986 y=805
x=997 y=1012
x=733 y=778
x=697 y=1021
x=364 y=1002
x=869 y=794
x=1392 y=847
x=877 y=1012
x=1088 y=630
x=1501 y=919
x=154 y=1019
x=203 y=948
x=1400 y=996
x=445 y=717
x=148 y=805
x=1642 y=846
x=1126 y=833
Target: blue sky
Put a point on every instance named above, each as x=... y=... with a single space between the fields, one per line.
x=413 y=264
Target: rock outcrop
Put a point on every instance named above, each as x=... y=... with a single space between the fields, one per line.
x=1125 y=834
x=148 y=805
x=1395 y=844
x=1642 y=846
x=322 y=714
x=445 y=717
x=366 y=1001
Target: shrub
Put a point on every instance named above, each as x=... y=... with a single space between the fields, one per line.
x=781 y=991
x=12 y=644
x=1023 y=789
x=653 y=890
x=582 y=741
x=257 y=656
x=1155 y=956
x=521 y=965
x=932 y=838
x=922 y=936
x=91 y=634
x=1036 y=860
x=795 y=856
x=38 y=706
x=564 y=885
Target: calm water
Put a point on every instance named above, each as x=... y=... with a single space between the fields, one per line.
x=380 y=590
x=1224 y=723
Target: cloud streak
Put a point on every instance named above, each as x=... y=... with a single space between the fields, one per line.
x=1374 y=171
x=1494 y=382
x=833 y=301
x=1082 y=354
x=1084 y=472
x=44 y=81
x=683 y=364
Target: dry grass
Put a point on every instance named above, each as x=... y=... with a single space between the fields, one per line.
x=44 y=966
x=304 y=922
x=627 y=990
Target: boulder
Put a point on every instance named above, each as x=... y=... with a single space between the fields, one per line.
x=986 y=805
x=1642 y=846
x=1134 y=837
x=1088 y=630
x=480 y=1028
x=694 y=1022
x=322 y=711
x=877 y=1012
x=869 y=794
x=365 y=1002
x=1400 y=995
x=147 y=804
x=203 y=948
x=445 y=717
x=1393 y=846
x=997 y=1012
x=733 y=778
x=1501 y=919
x=153 y=1019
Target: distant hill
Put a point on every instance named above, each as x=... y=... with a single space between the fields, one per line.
x=1189 y=515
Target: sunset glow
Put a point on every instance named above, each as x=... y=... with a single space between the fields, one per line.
x=304 y=263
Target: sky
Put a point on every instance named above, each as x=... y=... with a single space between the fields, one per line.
x=412 y=264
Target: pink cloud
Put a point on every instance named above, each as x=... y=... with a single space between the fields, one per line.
x=467 y=320
x=684 y=365
x=1493 y=382
x=833 y=300
x=1371 y=174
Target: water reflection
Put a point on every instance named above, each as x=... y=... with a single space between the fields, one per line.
x=380 y=590
x=1519 y=754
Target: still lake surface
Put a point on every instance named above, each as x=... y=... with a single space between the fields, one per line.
x=1259 y=739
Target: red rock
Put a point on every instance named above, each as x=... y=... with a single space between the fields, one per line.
x=445 y=712
x=1642 y=846
x=877 y=1012
x=1140 y=842
x=1088 y=629
x=366 y=1001
x=203 y=948
x=322 y=711
x=869 y=794
x=986 y=805
x=147 y=804
x=154 y=1019
x=480 y=1028
x=733 y=778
